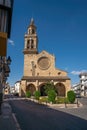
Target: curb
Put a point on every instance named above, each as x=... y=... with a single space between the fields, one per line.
x=58 y=105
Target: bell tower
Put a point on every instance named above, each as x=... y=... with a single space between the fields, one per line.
x=31 y=39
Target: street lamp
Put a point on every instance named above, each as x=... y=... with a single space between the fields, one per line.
x=9 y=60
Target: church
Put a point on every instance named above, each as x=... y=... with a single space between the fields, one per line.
x=39 y=68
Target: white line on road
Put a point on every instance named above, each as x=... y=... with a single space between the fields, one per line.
x=16 y=122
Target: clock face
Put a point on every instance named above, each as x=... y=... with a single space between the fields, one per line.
x=44 y=63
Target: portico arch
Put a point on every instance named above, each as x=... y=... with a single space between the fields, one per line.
x=60 y=89
x=42 y=89
x=31 y=88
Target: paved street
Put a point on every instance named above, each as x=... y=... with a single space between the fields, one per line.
x=33 y=116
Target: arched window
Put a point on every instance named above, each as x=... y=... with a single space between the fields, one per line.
x=31 y=31
x=28 y=44
x=32 y=45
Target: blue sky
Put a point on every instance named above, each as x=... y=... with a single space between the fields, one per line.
x=62 y=31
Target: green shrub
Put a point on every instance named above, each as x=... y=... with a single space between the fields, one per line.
x=28 y=94
x=51 y=96
x=71 y=96
x=37 y=94
x=49 y=86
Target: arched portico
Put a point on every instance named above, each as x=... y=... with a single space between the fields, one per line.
x=42 y=89
x=60 y=89
x=31 y=88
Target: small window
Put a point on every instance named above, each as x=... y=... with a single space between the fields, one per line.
x=37 y=74
x=59 y=73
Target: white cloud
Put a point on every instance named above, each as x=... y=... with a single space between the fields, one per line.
x=11 y=42
x=78 y=72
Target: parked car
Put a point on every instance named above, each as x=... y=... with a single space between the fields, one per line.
x=78 y=95
x=16 y=94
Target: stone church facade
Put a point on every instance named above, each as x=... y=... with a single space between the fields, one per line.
x=39 y=68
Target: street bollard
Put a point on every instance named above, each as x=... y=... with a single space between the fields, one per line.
x=77 y=103
x=65 y=105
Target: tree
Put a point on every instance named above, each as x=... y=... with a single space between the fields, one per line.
x=37 y=94
x=49 y=86
x=71 y=96
x=51 y=96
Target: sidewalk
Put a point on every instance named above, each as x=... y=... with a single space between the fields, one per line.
x=7 y=121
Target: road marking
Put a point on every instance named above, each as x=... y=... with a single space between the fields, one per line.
x=16 y=122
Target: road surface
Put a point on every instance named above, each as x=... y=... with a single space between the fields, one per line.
x=33 y=116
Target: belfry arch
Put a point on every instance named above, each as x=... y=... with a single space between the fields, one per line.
x=60 y=89
x=31 y=88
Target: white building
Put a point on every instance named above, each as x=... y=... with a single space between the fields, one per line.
x=83 y=81
x=12 y=90
x=77 y=88
x=17 y=87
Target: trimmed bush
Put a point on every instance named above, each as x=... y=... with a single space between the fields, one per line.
x=37 y=94
x=28 y=94
x=71 y=96
x=51 y=96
